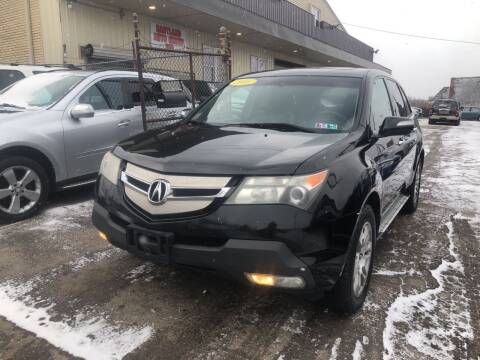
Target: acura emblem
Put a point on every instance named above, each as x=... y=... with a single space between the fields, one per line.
x=159 y=191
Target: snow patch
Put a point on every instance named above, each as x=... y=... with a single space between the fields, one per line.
x=430 y=320
x=140 y=271
x=334 y=352
x=295 y=323
x=89 y=338
x=358 y=352
x=80 y=263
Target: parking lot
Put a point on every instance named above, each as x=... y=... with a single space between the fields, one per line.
x=66 y=294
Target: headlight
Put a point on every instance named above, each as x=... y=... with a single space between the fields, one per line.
x=298 y=191
x=110 y=167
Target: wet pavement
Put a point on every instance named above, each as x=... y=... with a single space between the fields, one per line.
x=65 y=294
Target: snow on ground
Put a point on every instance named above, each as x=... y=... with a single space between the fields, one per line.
x=432 y=321
x=334 y=352
x=82 y=335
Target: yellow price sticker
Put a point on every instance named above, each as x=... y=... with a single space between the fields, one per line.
x=243 y=82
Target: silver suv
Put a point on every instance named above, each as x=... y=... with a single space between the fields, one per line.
x=55 y=129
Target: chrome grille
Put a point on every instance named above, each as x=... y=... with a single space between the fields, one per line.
x=188 y=193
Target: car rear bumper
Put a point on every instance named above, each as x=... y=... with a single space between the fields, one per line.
x=444 y=118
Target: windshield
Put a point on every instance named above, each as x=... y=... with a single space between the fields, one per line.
x=313 y=103
x=39 y=91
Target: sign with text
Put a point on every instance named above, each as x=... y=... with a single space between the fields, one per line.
x=168 y=37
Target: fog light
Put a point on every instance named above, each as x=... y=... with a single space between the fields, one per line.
x=103 y=236
x=287 y=282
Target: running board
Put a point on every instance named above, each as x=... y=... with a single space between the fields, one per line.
x=392 y=212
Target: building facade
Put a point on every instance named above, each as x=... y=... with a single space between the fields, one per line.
x=266 y=34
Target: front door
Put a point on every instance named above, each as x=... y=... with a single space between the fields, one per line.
x=87 y=140
x=384 y=151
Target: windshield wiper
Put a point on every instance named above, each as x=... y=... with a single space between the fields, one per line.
x=275 y=126
x=11 y=106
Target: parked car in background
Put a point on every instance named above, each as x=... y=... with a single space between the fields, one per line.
x=56 y=127
x=282 y=179
x=10 y=74
x=470 y=113
x=445 y=111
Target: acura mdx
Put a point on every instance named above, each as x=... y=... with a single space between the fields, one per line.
x=282 y=179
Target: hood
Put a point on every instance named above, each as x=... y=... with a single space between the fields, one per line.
x=14 y=115
x=229 y=150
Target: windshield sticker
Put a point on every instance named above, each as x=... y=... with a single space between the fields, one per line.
x=243 y=82
x=320 y=125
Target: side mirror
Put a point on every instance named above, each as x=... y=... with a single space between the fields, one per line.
x=396 y=126
x=184 y=113
x=82 y=111
x=462 y=108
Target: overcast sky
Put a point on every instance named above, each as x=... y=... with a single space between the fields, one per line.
x=422 y=66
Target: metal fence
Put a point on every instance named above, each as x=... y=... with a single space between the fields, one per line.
x=176 y=81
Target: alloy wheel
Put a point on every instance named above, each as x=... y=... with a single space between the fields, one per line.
x=363 y=258
x=20 y=189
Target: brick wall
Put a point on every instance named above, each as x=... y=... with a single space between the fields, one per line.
x=15 y=43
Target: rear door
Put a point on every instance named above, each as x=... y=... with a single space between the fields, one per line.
x=404 y=144
x=87 y=140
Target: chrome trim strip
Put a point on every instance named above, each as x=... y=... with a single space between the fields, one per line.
x=78 y=184
x=222 y=192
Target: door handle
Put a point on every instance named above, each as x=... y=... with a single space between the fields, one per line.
x=124 y=123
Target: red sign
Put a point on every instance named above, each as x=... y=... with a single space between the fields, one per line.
x=168 y=37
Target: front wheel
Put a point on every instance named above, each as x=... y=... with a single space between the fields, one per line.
x=23 y=188
x=351 y=289
x=414 y=191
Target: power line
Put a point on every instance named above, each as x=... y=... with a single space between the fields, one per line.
x=413 y=35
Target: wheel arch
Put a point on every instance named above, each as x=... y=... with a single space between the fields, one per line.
x=36 y=155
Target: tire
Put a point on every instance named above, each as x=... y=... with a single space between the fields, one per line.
x=414 y=191
x=345 y=297
x=430 y=122
x=15 y=204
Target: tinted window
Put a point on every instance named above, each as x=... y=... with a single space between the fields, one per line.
x=448 y=103
x=313 y=102
x=133 y=92
x=94 y=97
x=112 y=90
x=8 y=77
x=399 y=105
x=405 y=100
x=380 y=105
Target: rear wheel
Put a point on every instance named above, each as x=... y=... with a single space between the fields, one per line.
x=430 y=122
x=23 y=188
x=351 y=289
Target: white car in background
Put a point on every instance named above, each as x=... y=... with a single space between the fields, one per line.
x=11 y=73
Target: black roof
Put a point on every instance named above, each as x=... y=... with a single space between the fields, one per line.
x=325 y=71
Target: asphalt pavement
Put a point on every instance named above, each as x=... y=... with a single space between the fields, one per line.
x=66 y=294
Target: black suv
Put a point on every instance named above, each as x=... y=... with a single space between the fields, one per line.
x=283 y=179
x=446 y=110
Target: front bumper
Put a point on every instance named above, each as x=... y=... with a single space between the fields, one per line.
x=269 y=239
x=234 y=258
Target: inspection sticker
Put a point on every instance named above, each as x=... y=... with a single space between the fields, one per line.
x=243 y=82
x=320 y=125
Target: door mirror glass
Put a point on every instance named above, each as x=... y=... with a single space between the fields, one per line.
x=82 y=111
x=396 y=126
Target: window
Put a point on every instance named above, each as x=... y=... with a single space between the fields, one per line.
x=258 y=64
x=94 y=97
x=317 y=103
x=112 y=90
x=399 y=105
x=380 y=105
x=316 y=13
x=8 y=77
x=133 y=93
x=40 y=90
